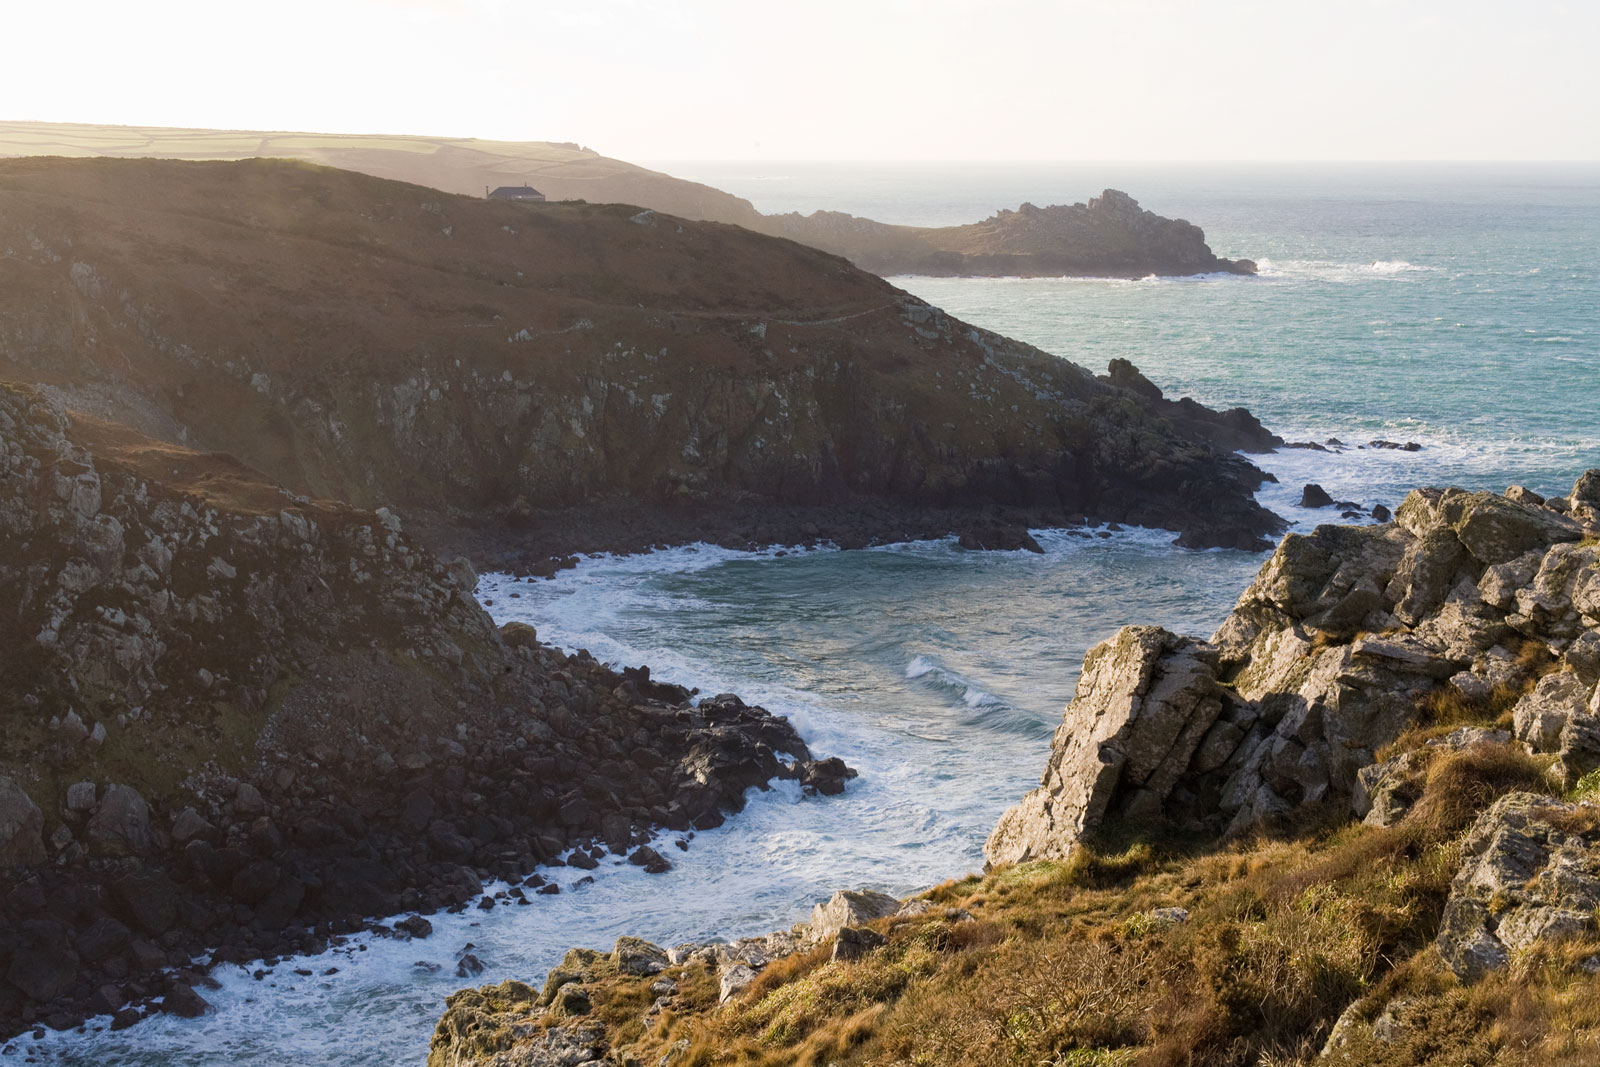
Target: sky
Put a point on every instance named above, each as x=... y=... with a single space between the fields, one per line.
x=840 y=79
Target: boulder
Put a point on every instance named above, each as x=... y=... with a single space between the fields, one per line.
x=853 y=942
x=1145 y=701
x=43 y=964
x=849 y=907
x=121 y=825
x=81 y=797
x=1385 y=792
x=21 y=827
x=734 y=980
x=1314 y=496
x=1530 y=871
x=652 y=861
x=634 y=955
x=1540 y=717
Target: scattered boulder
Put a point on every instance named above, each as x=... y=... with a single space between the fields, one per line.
x=734 y=980
x=849 y=907
x=996 y=538
x=853 y=942
x=121 y=826
x=634 y=955
x=21 y=827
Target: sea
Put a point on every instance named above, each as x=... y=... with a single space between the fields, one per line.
x=1452 y=305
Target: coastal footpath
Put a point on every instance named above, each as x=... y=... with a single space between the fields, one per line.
x=1110 y=236
x=1359 y=825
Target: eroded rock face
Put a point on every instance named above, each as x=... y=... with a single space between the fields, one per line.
x=1530 y=871
x=1328 y=656
x=1146 y=700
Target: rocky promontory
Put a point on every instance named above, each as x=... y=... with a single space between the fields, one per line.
x=567 y=376
x=1111 y=236
x=1350 y=636
x=236 y=723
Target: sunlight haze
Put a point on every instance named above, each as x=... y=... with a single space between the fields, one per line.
x=891 y=80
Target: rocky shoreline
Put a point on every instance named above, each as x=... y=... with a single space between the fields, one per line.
x=1435 y=679
x=243 y=723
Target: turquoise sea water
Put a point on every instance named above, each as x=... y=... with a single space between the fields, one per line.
x=1457 y=307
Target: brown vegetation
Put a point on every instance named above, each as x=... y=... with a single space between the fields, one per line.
x=1090 y=962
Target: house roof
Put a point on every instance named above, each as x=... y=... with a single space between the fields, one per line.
x=516 y=190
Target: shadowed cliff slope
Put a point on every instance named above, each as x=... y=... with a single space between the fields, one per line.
x=380 y=343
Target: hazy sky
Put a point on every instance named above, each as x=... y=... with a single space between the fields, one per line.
x=840 y=79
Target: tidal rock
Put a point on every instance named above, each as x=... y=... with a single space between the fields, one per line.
x=996 y=538
x=21 y=827
x=652 y=861
x=185 y=1003
x=1314 y=496
x=1530 y=871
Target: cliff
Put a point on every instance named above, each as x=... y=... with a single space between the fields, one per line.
x=235 y=721
x=1110 y=236
x=498 y=363
x=1360 y=825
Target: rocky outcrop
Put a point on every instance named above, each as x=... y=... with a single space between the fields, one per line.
x=238 y=722
x=1530 y=872
x=590 y=1007
x=1347 y=637
x=1110 y=236
x=577 y=376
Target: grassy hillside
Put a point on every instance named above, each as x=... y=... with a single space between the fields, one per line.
x=462 y=165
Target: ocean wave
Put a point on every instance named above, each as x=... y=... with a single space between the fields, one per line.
x=1326 y=271
x=944 y=678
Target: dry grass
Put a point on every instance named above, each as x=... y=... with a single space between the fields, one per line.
x=1064 y=965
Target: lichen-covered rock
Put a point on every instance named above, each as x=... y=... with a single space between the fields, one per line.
x=1530 y=871
x=1385 y=792
x=1146 y=700
x=1346 y=637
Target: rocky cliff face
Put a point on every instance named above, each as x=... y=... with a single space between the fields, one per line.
x=382 y=344
x=1110 y=236
x=1467 y=603
x=238 y=720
